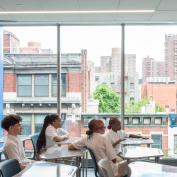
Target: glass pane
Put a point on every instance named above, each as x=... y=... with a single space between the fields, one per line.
x=90 y=57
x=26 y=124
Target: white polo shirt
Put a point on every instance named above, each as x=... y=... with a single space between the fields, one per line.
x=114 y=136
x=14 y=149
x=52 y=132
x=100 y=145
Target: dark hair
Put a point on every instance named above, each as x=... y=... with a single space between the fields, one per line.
x=89 y=132
x=112 y=121
x=10 y=120
x=41 y=142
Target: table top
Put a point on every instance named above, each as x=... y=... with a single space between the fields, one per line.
x=69 y=140
x=47 y=169
x=136 y=141
x=60 y=152
x=136 y=152
x=147 y=169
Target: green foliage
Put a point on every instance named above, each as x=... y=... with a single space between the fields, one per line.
x=159 y=108
x=109 y=101
x=135 y=106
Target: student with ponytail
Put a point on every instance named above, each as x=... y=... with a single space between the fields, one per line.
x=101 y=146
x=50 y=133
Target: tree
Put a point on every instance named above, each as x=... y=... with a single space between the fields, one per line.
x=159 y=108
x=135 y=106
x=109 y=101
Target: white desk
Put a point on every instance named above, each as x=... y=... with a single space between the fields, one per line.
x=47 y=169
x=136 y=141
x=62 y=152
x=146 y=169
x=136 y=152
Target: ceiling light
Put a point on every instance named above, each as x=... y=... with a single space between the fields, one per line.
x=77 y=12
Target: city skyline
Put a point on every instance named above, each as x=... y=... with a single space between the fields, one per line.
x=142 y=41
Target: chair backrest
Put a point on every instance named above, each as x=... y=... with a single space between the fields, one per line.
x=9 y=168
x=105 y=167
x=95 y=165
x=3 y=156
x=34 y=139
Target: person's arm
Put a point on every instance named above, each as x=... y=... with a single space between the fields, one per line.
x=117 y=142
x=71 y=147
x=110 y=151
x=137 y=136
x=79 y=144
x=59 y=138
x=61 y=131
x=12 y=153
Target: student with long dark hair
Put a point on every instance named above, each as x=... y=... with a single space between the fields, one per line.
x=50 y=132
x=101 y=146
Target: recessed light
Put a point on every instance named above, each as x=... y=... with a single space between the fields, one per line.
x=77 y=12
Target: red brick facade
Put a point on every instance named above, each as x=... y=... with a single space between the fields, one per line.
x=74 y=82
x=9 y=82
x=162 y=94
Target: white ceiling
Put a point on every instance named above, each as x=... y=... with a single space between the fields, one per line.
x=165 y=12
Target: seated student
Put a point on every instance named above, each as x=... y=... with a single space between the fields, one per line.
x=116 y=135
x=50 y=133
x=101 y=146
x=13 y=145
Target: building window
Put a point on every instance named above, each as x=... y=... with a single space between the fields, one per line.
x=63 y=85
x=157 y=138
x=147 y=121
x=175 y=144
x=132 y=86
x=38 y=119
x=26 y=124
x=158 y=121
x=24 y=85
x=41 y=85
x=126 y=121
x=136 y=120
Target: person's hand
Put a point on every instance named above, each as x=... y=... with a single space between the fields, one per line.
x=145 y=138
x=120 y=140
x=65 y=136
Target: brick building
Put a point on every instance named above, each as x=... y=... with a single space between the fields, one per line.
x=30 y=86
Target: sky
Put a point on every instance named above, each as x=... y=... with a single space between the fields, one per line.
x=99 y=40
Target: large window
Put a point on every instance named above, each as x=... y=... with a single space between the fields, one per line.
x=157 y=138
x=41 y=85
x=38 y=119
x=63 y=85
x=26 y=124
x=24 y=85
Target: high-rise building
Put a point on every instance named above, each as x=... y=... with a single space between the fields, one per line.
x=152 y=68
x=110 y=73
x=171 y=56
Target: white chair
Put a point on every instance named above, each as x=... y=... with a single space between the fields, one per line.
x=105 y=168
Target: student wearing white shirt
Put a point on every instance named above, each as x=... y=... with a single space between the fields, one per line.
x=51 y=133
x=13 y=145
x=101 y=146
x=116 y=135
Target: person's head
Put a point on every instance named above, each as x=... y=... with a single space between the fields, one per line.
x=114 y=124
x=95 y=126
x=12 y=124
x=51 y=119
